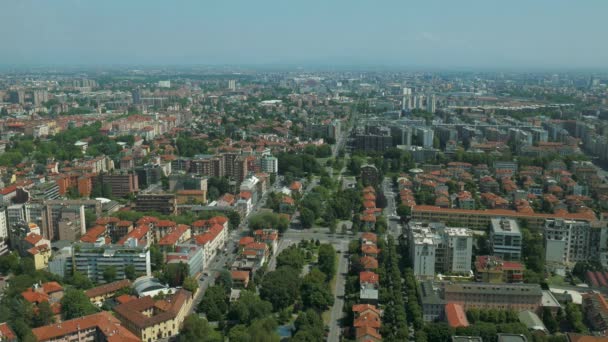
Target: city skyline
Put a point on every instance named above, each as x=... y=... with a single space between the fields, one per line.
x=433 y=35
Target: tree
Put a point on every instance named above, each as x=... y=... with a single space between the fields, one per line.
x=214 y=303
x=109 y=274
x=263 y=330
x=316 y=294
x=44 y=315
x=550 y=322
x=190 y=284
x=311 y=323
x=80 y=281
x=404 y=211
x=9 y=263
x=130 y=272
x=196 y=328
x=281 y=287
x=175 y=274
x=269 y=220
x=343 y=229
x=248 y=308
x=156 y=258
x=89 y=218
x=76 y=304
x=327 y=260
x=224 y=279
x=291 y=256
x=307 y=218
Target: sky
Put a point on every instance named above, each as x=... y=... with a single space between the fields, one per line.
x=427 y=34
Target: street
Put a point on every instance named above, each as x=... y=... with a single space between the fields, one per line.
x=390 y=212
x=338 y=307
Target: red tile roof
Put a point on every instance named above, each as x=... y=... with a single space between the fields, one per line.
x=165 y=310
x=368 y=319
x=93 y=234
x=240 y=275
x=107 y=288
x=6 y=333
x=367 y=277
x=369 y=249
x=51 y=287
x=174 y=236
x=369 y=262
x=244 y=241
x=369 y=237
x=587 y=216
x=456 y=316
x=106 y=325
x=33 y=239
x=137 y=234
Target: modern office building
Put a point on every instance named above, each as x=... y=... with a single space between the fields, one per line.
x=505 y=238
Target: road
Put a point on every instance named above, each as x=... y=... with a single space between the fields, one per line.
x=222 y=261
x=218 y=264
x=337 y=310
x=390 y=212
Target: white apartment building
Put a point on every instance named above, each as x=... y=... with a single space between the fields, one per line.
x=270 y=164
x=437 y=248
x=570 y=241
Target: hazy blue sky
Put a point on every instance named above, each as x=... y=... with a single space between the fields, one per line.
x=449 y=33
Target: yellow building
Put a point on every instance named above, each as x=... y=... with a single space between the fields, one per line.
x=41 y=255
x=153 y=320
x=191 y=196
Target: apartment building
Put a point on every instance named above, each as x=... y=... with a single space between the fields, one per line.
x=437 y=248
x=120 y=183
x=480 y=219
x=161 y=203
x=91 y=259
x=570 y=241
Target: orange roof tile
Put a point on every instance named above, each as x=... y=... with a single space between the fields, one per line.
x=106 y=324
x=456 y=316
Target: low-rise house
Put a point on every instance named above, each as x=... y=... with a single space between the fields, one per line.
x=369 y=263
x=51 y=292
x=269 y=237
x=240 y=279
